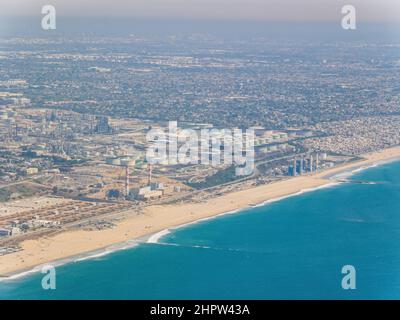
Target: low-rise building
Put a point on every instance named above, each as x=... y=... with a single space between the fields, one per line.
x=5 y=233
x=31 y=171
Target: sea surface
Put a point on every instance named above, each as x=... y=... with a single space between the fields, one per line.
x=290 y=249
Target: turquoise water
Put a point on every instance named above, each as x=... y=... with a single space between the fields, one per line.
x=291 y=249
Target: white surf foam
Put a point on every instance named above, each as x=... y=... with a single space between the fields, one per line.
x=350 y=172
x=329 y=185
x=79 y=258
x=155 y=238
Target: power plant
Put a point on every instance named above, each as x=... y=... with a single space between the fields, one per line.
x=306 y=164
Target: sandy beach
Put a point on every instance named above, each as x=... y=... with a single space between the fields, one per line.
x=158 y=218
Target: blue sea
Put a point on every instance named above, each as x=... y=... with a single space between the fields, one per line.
x=290 y=249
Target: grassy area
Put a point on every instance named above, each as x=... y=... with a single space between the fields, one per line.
x=221 y=177
x=19 y=191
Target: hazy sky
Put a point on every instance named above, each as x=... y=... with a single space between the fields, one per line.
x=284 y=10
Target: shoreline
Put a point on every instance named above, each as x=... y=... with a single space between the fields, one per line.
x=153 y=238
x=76 y=246
x=156 y=237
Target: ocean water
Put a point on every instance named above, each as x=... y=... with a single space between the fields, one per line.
x=290 y=249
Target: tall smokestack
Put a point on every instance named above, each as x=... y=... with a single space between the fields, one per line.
x=149 y=168
x=127 y=181
x=301 y=165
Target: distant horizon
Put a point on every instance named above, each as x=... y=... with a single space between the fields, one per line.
x=385 y=11
x=122 y=26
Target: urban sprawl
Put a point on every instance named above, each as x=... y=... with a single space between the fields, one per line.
x=75 y=112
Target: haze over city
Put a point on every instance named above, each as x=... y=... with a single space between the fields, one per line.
x=264 y=10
